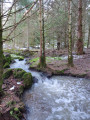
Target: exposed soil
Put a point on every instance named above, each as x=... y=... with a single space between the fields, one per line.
x=81 y=66
x=10 y=99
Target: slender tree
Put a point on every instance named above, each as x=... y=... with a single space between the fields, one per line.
x=58 y=41
x=28 y=32
x=1 y=50
x=42 y=62
x=80 y=34
x=88 y=37
x=70 y=57
x=14 y=42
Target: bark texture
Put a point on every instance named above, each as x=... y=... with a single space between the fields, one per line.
x=80 y=34
x=58 y=42
x=88 y=37
x=1 y=53
x=42 y=62
x=70 y=57
x=14 y=42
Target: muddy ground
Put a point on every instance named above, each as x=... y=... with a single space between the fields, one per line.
x=81 y=66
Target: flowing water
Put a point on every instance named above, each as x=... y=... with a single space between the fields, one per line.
x=56 y=98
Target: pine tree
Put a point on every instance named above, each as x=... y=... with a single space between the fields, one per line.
x=80 y=34
x=70 y=57
x=42 y=62
x=1 y=50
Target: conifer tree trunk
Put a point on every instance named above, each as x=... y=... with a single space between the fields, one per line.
x=58 y=42
x=42 y=63
x=65 y=41
x=1 y=52
x=70 y=57
x=28 y=32
x=80 y=34
x=14 y=42
x=88 y=37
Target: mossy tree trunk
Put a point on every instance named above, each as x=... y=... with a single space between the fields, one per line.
x=70 y=56
x=80 y=34
x=1 y=52
x=42 y=62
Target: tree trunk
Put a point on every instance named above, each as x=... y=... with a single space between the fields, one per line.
x=80 y=35
x=14 y=24
x=88 y=37
x=28 y=32
x=65 y=28
x=1 y=52
x=58 y=45
x=70 y=57
x=42 y=63
x=65 y=41
x=58 y=42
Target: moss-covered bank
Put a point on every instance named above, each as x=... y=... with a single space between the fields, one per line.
x=15 y=82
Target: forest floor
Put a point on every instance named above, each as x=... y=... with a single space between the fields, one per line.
x=58 y=65
x=10 y=100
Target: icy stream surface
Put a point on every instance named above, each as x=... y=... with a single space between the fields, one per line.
x=57 y=98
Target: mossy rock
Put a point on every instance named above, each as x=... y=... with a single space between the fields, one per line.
x=27 y=80
x=6 y=65
x=7 y=58
x=27 y=53
x=14 y=56
x=7 y=74
x=21 y=58
x=4 y=59
x=18 y=73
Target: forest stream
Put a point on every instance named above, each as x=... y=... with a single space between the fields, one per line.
x=56 y=98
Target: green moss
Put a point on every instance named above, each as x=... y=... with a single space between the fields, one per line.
x=34 y=60
x=21 y=58
x=16 y=113
x=48 y=59
x=53 y=58
x=7 y=58
x=42 y=63
x=60 y=71
x=16 y=109
x=11 y=103
x=27 y=80
x=6 y=61
x=18 y=73
x=7 y=74
x=20 y=91
x=14 y=56
x=6 y=65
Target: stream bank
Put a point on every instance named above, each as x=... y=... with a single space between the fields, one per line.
x=59 y=66
x=56 y=98
x=55 y=67
x=16 y=81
